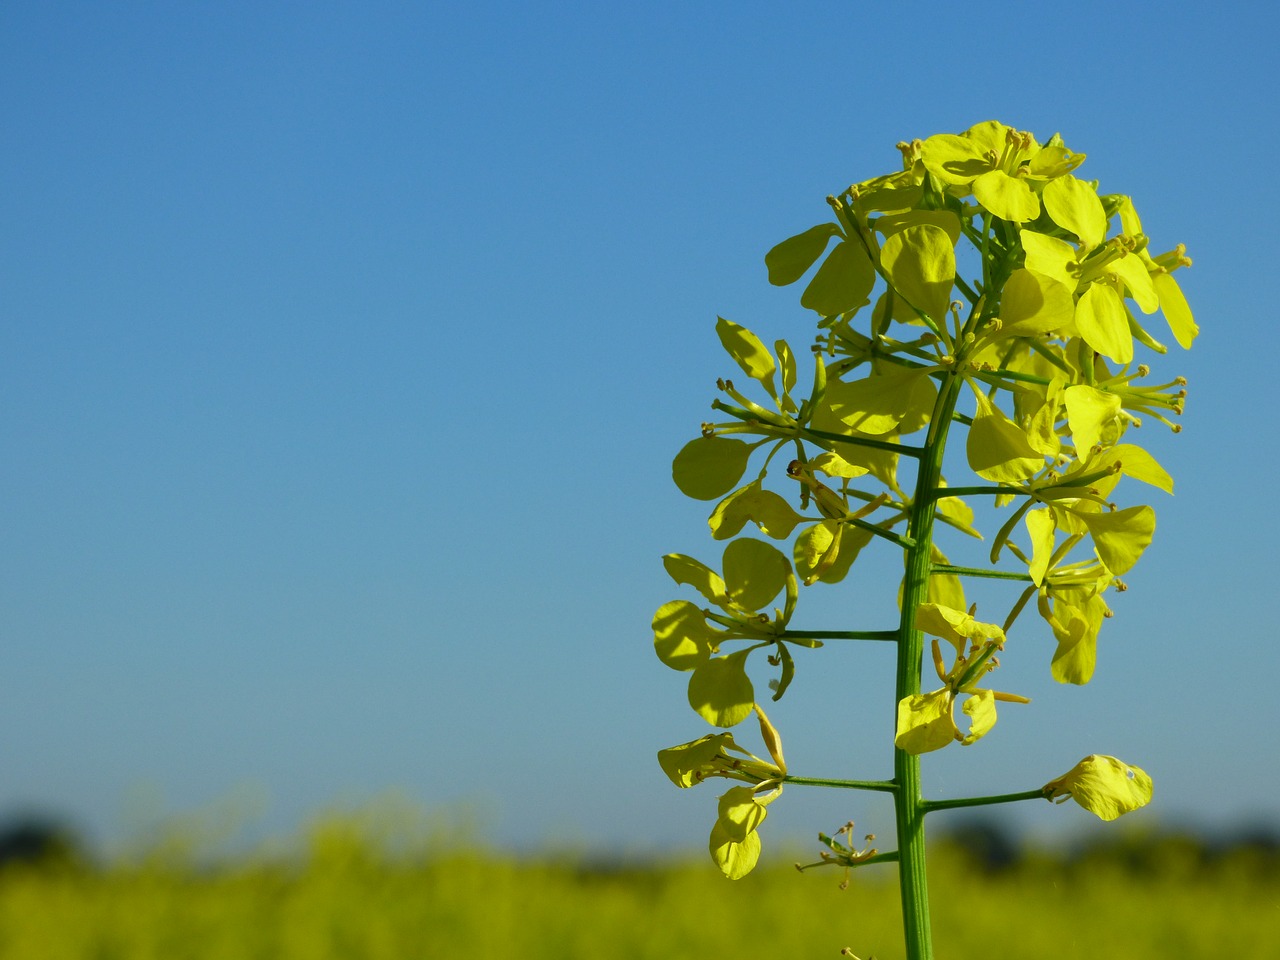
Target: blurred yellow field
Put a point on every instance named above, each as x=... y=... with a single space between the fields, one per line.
x=344 y=897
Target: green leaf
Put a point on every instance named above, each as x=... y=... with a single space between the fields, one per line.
x=754 y=573
x=709 y=467
x=998 y=449
x=769 y=511
x=1009 y=198
x=1089 y=412
x=1104 y=786
x=734 y=858
x=1121 y=536
x=921 y=264
x=720 y=690
x=702 y=578
x=1074 y=205
x=1103 y=322
x=681 y=636
x=740 y=813
x=895 y=398
x=789 y=260
x=925 y=723
x=749 y=352
x=843 y=281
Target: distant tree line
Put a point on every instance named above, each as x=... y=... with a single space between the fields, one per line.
x=44 y=842
x=1164 y=851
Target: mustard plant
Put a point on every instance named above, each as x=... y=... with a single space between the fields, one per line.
x=1028 y=359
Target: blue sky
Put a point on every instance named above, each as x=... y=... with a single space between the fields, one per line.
x=344 y=349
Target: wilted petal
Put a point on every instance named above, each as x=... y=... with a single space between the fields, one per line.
x=925 y=723
x=1104 y=786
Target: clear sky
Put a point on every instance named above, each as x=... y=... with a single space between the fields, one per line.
x=344 y=349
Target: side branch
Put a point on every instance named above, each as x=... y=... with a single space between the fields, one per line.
x=776 y=425
x=891 y=635
x=941 y=492
x=885 y=786
x=981 y=572
x=931 y=805
x=896 y=539
x=906 y=450
x=889 y=856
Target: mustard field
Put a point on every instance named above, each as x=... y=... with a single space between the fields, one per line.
x=343 y=894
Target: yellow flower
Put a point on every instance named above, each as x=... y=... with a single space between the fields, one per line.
x=925 y=720
x=995 y=162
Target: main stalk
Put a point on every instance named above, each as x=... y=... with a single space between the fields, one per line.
x=908 y=801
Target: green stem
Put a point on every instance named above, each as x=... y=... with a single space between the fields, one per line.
x=889 y=856
x=775 y=426
x=980 y=491
x=879 y=531
x=981 y=572
x=909 y=806
x=839 y=634
x=930 y=805
x=900 y=448
x=854 y=228
x=969 y=293
x=759 y=416
x=1002 y=377
x=887 y=786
